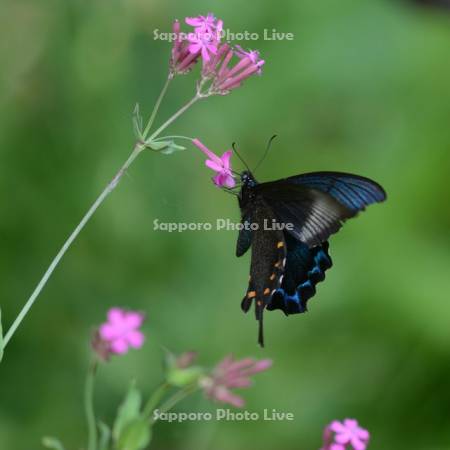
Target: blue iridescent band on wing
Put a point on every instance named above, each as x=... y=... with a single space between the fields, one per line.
x=305 y=268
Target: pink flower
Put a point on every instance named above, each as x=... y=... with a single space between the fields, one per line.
x=204 y=22
x=252 y=54
x=230 y=374
x=345 y=433
x=221 y=165
x=121 y=331
x=202 y=42
x=206 y=36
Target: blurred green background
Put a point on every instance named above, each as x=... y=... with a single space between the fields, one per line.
x=364 y=87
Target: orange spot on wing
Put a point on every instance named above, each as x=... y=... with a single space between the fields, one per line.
x=251 y=294
x=266 y=291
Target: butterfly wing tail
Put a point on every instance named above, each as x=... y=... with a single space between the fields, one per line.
x=259 y=310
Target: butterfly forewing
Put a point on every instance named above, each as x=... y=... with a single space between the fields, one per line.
x=245 y=236
x=318 y=203
x=311 y=215
x=353 y=191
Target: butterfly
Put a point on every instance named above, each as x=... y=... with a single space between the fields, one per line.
x=287 y=223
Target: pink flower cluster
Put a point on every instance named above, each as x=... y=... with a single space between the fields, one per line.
x=229 y=374
x=345 y=435
x=205 y=43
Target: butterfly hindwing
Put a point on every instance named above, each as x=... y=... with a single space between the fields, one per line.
x=305 y=267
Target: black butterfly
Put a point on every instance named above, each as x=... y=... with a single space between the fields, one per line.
x=286 y=264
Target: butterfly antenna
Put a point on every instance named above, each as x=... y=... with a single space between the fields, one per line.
x=269 y=143
x=239 y=156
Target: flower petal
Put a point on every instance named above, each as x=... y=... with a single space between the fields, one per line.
x=119 y=346
x=363 y=434
x=226 y=157
x=229 y=182
x=213 y=165
x=343 y=438
x=205 y=54
x=337 y=427
x=350 y=423
x=194 y=48
x=357 y=444
x=337 y=447
x=220 y=179
x=241 y=382
x=108 y=332
x=223 y=395
x=115 y=315
x=241 y=364
x=135 y=339
x=211 y=155
x=259 y=366
x=194 y=21
x=133 y=319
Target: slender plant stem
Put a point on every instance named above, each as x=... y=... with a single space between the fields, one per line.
x=163 y=138
x=109 y=188
x=157 y=105
x=154 y=399
x=89 y=406
x=174 y=399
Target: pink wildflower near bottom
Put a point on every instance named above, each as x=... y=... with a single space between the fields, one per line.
x=229 y=374
x=121 y=331
x=339 y=435
x=221 y=165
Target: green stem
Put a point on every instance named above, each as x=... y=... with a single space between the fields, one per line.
x=89 y=406
x=109 y=188
x=174 y=399
x=154 y=399
x=157 y=105
x=163 y=138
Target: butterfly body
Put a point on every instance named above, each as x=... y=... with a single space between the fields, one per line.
x=288 y=261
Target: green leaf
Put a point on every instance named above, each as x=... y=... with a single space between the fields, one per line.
x=172 y=148
x=128 y=411
x=135 y=436
x=105 y=436
x=51 y=442
x=158 y=145
x=137 y=122
x=165 y=147
x=1 y=337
